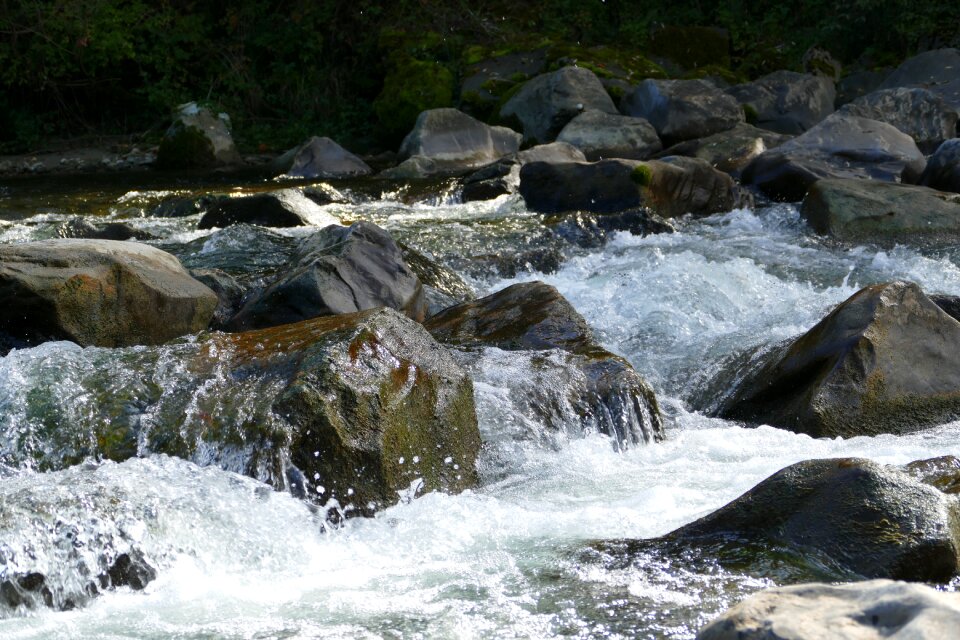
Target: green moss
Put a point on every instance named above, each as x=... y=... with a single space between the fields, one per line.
x=615 y=92
x=606 y=62
x=692 y=47
x=185 y=148
x=717 y=71
x=750 y=113
x=413 y=86
x=642 y=175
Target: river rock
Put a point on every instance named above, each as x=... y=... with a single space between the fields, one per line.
x=320 y=158
x=197 y=139
x=919 y=113
x=546 y=103
x=937 y=70
x=103 y=293
x=534 y=316
x=942 y=472
x=847 y=515
x=80 y=228
x=602 y=135
x=503 y=177
x=842 y=146
x=858 y=84
x=442 y=287
x=682 y=109
x=729 y=151
x=786 y=101
x=883 y=361
x=943 y=168
x=819 y=62
x=885 y=212
x=669 y=187
x=870 y=610
x=337 y=270
x=229 y=293
x=284 y=208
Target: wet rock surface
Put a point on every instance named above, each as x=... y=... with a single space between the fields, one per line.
x=943 y=168
x=729 y=151
x=682 y=109
x=286 y=208
x=602 y=135
x=320 y=157
x=919 y=113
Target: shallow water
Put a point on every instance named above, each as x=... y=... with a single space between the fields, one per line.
x=511 y=559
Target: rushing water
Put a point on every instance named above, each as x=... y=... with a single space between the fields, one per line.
x=513 y=558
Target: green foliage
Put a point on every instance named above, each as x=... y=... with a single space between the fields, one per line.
x=411 y=87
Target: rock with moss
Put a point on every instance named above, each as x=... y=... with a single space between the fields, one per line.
x=541 y=107
x=871 y=610
x=320 y=158
x=692 y=47
x=787 y=101
x=336 y=270
x=682 y=109
x=284 y=208
x=669 y=187
x=937 y=70
x=103 y=293
x=729 y=151
x=943 y=168
x=487 y=80
x=886 y=213
x=842 y=146
x=818 y=61
x=503 y=177
x=919 y=113
x=534 y=316
x=859 y=371
x=602 y=135
x=197 y=139
x=852 y=517
x=411 y=87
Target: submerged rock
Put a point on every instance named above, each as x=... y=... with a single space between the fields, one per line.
x=98 y=292
x=870 y=610
x=533 y=316
x=320 y=158
x=503 y=177
x=81 y=229
x=682 y=109
x=884 y=361
x=285 y=208
x=197 y=139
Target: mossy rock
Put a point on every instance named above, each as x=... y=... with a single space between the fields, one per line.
x=692 y=47
x=605 y=62
x=186 y=148
x=411 y=87
x=716 y=71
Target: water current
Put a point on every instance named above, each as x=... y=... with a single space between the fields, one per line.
x=514 y=558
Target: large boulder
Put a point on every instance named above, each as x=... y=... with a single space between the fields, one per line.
x=847 y=515
x=197 y=139
x=870 y=610
x=534 y=316
x=602 y=135
x=337 y=270
x=786 y=101
x=669 y=187
x=545 y=104
x=943 y=168
x=320 y=158
x=883 y=361
x=729 y=151
x=937 y=70
x=919 y=113
x=105 y=293
x=449 y=142
x=884 y=212
x=842 y=146
x=284 y=208
x=503 y=177
x=682 y=109
x=858 y=84
x=485 y=82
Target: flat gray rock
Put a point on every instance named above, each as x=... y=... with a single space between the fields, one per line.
x=602 y=135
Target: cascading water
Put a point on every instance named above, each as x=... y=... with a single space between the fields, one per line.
x=516 y=558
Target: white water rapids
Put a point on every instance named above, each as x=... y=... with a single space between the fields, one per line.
x=506 y=560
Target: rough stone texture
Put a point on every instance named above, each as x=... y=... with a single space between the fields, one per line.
x=229 y=294
x=545 y=104
x=859 y=83
x=451 y=136
x=842 y=146
x=883 y=361
x=669 y=187
x=871 y=610
x=534 y=316
x=682 y=109
x=320 y=158
x=943 y=168
x=938 y=71
x=485 y=82
x=197 y=139
x=443 y=287
x=285 y=208
x=786 y=101
x=729 y=151
x=503 y=177
x=98 y=292
x=602 y=135
x=847 y=514
x=942 y=473
x=337 y=270
x=919 y=113
x=884 y=212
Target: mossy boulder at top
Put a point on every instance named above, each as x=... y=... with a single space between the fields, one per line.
x=852 y=517
x=883 y=212
x=544 y=105
x=336 y=270
x=869 y=610
x=692 y=47
x=197 y=139
x=534 y=316
x=884 y=361
x=682 y=109
x=320 y=158
x=943 y=168
x=410 y=87
x=103 y=293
